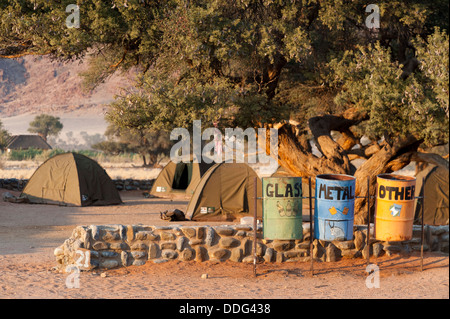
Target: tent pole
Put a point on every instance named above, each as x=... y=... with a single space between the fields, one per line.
x=255 y=229
x=311 y=233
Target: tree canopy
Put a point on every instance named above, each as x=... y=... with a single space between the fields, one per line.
x=45 y=125
x=311 y=68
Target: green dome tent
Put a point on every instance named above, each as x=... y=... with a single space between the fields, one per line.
x=432 y=183
x=71 y=179
x=225 y=192
x=179 y=179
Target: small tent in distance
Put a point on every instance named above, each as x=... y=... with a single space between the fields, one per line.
x=71 y=179
x=225 y=193
x=179 y=179
x=432 y=183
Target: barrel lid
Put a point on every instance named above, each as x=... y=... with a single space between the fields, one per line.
x=336 y=177
x=396 y=177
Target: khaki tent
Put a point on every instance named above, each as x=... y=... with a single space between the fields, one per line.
x=432 y=183
x=225 y=192
x=179 y=179
x=71 y=179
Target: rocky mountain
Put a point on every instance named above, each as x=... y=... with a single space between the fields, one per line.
x=32 y=85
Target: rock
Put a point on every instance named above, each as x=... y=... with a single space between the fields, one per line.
x=139 y=246
x=279 y=245
x=350 y=253
x=210 y=236
x=166 y=236
x=188 y=231
x=138 y=262
x=146 y=235
x=241 y=233
x=359 y=241
x=268 y=256
x=279 y=257
x=130 y=233
x=444 y=247
x=109 y=254
x=347 y=244
x=109 y=263
x=201 y=254
x=187 y=254
x=225 y=231
x=219 y=253
x=168 y=245
x=195 y=242
x=181 y=243
x=236 y=255
x=110 y=236
x=138 y=254
x=434 y=243
x=95 y=232
x=200 y=232
x=291 y=254
x=365 y=252
x=100 y=245
x=303 y=245
x=377 y=249
x=154 y=251
x=205 y=276
x=260 y=249
x=331 y=253
x=103 y=275
x=318 y=250
x=169 y=254
x=118 y=246
x=391 y=249
x=248 y=260
x=58 y=251
x=438 y=230
x=229 y=242
x=124 y=257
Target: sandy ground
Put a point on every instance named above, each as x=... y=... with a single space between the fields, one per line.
x=30 y=233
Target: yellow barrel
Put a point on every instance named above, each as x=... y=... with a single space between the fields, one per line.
x=394 y=207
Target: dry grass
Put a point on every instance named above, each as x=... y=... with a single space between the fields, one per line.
x=24 y=170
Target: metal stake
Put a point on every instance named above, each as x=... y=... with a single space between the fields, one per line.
x=368 y=220
x=255 y=226
x=422 y=237
x=311 y=229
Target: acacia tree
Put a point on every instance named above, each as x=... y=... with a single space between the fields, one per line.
x=45 y=125
x=309 y=68
x=4 y=136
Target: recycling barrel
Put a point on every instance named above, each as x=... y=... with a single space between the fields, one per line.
x=334 y=207
x=394 y=207
x=282 y=208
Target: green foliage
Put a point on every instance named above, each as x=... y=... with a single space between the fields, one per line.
x=397 y=106
x=24 y=155
x=4 y=136
x=250 y=63
x=45 y=125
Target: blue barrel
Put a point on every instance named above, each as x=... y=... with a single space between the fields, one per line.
x=334 y=207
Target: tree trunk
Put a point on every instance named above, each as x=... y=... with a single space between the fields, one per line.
x=296 y=156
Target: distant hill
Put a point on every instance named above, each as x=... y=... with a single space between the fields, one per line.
x=32 y=85
x=35 y=85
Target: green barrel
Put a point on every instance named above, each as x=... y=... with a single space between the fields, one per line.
x=282 y=208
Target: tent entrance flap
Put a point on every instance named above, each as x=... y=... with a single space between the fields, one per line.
x=183 y=175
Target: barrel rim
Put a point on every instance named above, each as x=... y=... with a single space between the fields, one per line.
x=396 y=177
x=341 y=177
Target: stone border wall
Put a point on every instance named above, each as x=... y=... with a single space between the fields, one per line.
x=110 y=246
x=121 y=184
